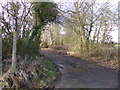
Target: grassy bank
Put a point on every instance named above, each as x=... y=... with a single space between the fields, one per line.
x=37 y=72
x=48 y=71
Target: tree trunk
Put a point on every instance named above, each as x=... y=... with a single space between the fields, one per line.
x=13 y=69
x=51 y=36
x=0 y=52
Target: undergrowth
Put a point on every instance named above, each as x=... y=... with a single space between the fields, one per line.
x=48 y=72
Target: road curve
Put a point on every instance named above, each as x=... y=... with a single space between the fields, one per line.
x=78 y=73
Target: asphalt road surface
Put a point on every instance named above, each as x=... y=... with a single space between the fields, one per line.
x=76 y=73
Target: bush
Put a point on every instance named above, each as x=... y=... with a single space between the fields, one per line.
x=105 y=51
x=31 y=49
x=23 y=48
x=6 y=48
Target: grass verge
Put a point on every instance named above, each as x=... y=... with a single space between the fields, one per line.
x=47 y=72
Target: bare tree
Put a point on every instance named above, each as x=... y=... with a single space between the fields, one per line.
x=14 y=23
x=0 y=51
x=91 y=21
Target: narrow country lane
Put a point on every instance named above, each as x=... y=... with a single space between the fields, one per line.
x=78 y=73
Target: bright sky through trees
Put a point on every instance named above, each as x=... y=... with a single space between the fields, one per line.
x=114 y=3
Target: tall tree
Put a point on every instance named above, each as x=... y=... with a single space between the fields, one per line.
x=13 y=23
x=0 y=51
x=44 y=13
x=15 y=8
x=91 y=21
x=17 y=19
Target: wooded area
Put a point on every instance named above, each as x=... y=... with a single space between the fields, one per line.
x=82 y=30
x=85 y=31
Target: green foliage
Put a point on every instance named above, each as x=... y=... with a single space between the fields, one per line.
x=26 y=49
x=6 y=47
x=47 y=72
x=45 y=12
x=36 y=32
x=29 y=43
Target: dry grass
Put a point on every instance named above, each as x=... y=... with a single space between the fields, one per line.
x=104 y=56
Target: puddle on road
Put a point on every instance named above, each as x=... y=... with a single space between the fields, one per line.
x=60 y=67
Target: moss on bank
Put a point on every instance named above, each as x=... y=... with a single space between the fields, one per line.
x=47 y=72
